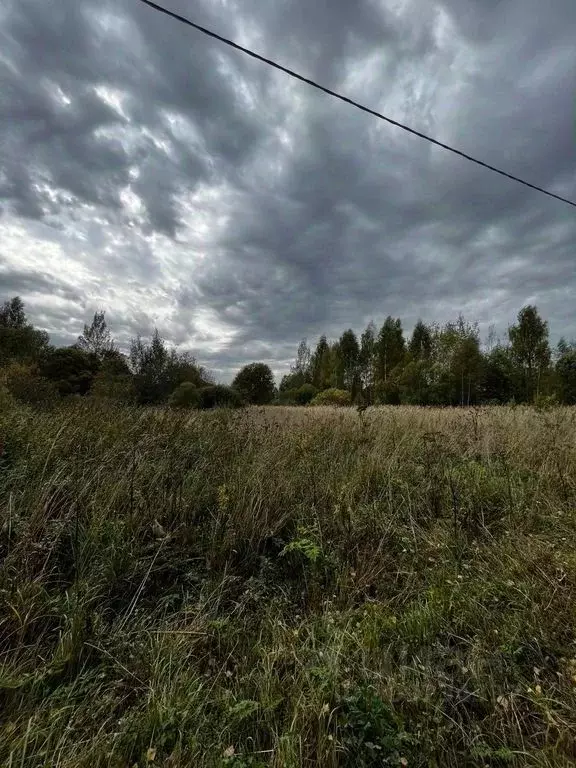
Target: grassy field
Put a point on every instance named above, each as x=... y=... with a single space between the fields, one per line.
x=287 y=587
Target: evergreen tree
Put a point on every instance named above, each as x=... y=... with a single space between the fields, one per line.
x=390 y=348
x=420 y=346
x=349 y=353
x=322 y=364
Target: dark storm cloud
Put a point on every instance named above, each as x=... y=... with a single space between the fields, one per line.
x=239 y=211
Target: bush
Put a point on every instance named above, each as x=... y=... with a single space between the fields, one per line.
x=387 y=393
x=119 y=388
x=296 y=396
x=305 y=394
x=185 y=396
x=545 y=402
x=333 y=397
x=219 y=396
x=6 y=399
x=72 y=370
x=26 y=386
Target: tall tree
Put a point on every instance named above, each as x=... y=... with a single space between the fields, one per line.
x=420 y=346
x=321 y=364
x=349 y=354
x=255 y=382
x=530 y=350
x=337 y=368
x=19 y=340
x=300 y=370
x=150 y=367
x=566 y=373
x=366 y=360
x=497 y=380
x=12 y=314
x=303 y=361
x=390 y=347
x=97 y=338
x=457 y=363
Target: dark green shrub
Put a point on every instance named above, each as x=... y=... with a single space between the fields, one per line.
x=219 y=396
x=72 y=370
x=26 y=386
x=185 y=396
x=305 y=394
x=297 y=396
x=371 y=732
x=332 y=397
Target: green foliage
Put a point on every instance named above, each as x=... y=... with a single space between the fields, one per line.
x=72 y=370
x=321 y=364
x=530 y=350
x=305 y=546
x=255 y=382
x=367 y=361
x=301 y=396
x=12 y=314
x=497 y=379
x=97 y=338
x=280 y=587
x=186 y=395
x=390 y=348
x=6 y=399
x=545 y=402
x=26 y=385
x=242 y=761
x=19 y=341
x=219 y=396
x=371 y=733
x=387 y=392
x=440 y=366
x=114 y=382
x=566 y=371
x=420 y=346
x=349 y=352
x=338 y=397
x=305 y=394
x=158 y=371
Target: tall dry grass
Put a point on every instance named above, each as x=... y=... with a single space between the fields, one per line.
x=287 y=587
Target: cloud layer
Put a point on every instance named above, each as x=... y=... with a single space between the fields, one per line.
x=152 y=172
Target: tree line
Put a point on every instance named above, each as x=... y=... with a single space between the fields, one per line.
x=437 y=365
x=442 y=365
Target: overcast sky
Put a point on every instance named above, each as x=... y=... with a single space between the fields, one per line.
x=156 y=174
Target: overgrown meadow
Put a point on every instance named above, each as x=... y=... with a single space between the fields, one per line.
x=287 y=587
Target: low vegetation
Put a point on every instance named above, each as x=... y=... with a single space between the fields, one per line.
x=287 y=587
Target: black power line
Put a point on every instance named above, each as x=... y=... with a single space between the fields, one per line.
x=356 y=104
